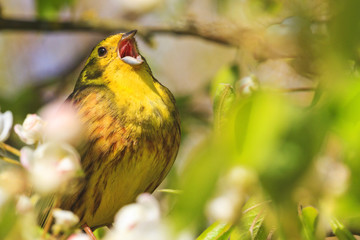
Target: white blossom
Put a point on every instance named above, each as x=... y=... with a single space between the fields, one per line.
x=140 y=220
x=333 y=174
x=247 y=85
x=62 y=122
x=235 y=187
x=223 y=207
x=50 y=165
x=6 y=121
x=24 y=204
x=146 y=209
x=79 y=236
x=31 y=131
x=64 y=220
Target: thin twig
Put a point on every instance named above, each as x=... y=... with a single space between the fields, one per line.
x=255 y=206
x=291 y=90
x=251 y=230
x=206 y=32
x=174 y=191
x=299 y=89
x=88 y=231
x=50 y=218
x=11 y=161
x=10 y=149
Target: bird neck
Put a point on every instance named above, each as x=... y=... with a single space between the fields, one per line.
x=133 y=81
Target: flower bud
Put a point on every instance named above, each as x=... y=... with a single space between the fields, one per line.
x=31 y=130
x=247 y=85
x=64 y=220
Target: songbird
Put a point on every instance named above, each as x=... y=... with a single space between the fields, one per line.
x=131 y=131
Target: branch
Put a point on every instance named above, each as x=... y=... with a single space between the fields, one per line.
x=206 y=32
x=299 y=89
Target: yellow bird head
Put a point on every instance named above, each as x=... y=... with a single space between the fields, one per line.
x=114 y=61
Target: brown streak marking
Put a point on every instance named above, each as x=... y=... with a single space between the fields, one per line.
x=104 y=183
x=97 y=202
x=95 y=140
x=79 y=197
x=110 y=135
x=81 y=215
x=117 y=159
x=101 y=117
x=113 y=147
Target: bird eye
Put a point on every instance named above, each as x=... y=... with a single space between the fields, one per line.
x=102 y=51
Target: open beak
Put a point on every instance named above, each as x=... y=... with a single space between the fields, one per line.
x=127 y=49
x=128 y=35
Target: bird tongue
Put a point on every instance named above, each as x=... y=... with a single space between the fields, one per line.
x=127 y=48
x=128 y=52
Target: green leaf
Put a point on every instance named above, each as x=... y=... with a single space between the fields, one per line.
x=280 y=141
x=215 y=231
x=100 y=232
x=309 y=219
x=340 y=231
x=227 y=74
x=226 y=235
x=252 y=222
x=224 y=98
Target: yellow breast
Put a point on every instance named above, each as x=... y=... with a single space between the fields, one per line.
x=132 y=141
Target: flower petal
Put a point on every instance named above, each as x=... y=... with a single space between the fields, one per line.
x=51 y=165
x=26 y=155
x=6 y=121
x=31 y=130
